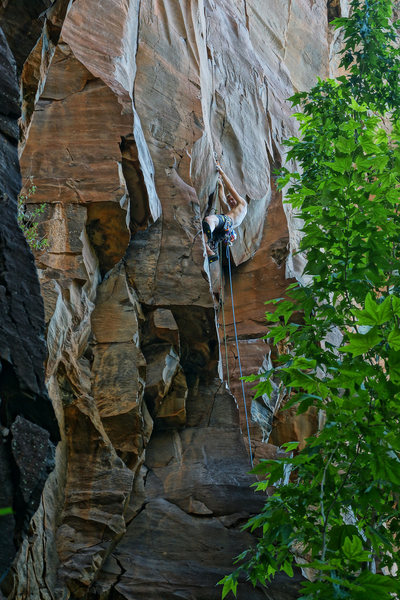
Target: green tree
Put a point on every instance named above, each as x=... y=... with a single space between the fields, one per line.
x=339 y=511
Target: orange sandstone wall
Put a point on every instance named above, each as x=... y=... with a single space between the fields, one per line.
x=124 y=104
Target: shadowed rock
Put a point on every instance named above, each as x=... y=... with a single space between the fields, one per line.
x=26 y=414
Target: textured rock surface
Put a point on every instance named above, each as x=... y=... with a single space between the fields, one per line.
x=196 y=496
x=21 y=355
x=26 y=414
x=22 y=23
x=255 y=282
x=124 y=104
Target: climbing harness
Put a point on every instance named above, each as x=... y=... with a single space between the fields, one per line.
x=238 y=353
x=224 y=232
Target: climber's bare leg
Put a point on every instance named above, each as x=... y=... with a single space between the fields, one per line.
x=208 y=249
x=213 y=221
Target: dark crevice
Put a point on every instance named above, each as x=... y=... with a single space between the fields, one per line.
x=334 y=10
x=118 y=580
x=246 y=15
x=17 y=401
x=280 y=251
x=140 y=214
x=191 y=514
x=137 y=44
x=222 y=383
x=236 y=524
x=140 y=510
x=107 y=233
x=274 y=158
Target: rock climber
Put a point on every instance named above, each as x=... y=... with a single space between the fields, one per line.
x=220 y=228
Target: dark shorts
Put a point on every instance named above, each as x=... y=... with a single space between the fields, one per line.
x=224 y=231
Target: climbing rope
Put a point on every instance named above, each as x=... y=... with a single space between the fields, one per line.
x=4 y=574
x=221 y=298
x=221 y=303
x=223 y=313
x=238 y=353
x=213 y=209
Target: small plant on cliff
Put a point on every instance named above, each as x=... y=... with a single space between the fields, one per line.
x=28 y=220
x=339 y=512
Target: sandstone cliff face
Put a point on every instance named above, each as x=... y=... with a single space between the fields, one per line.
x=124 y=104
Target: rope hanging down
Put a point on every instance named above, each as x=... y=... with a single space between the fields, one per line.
x=215 y=199
x=222 y=302
x=238 y=353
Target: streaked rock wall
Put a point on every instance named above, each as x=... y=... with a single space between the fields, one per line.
x=124 y=104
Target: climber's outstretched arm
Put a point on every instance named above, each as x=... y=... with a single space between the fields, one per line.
x=237 y=203
x=230 y=187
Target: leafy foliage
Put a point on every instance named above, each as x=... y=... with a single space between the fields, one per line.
x=339 y=511
x=28 y=221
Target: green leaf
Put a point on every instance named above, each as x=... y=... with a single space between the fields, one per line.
x=361 y=108
x=380 y=162
x=377 y=538
x=230 y=584
x=353 y=549
x=6 y=511
x=362 y=343
x=394 y=339
x=374 y=313
x=349 y=125
x=289 y=446
x=369 y=146
x=345 y=145
x=340 y=164
x=307 y=191
x=374 y=585
x=287 y=568
x=338 y=535
x=386 y=466
x=381 y=136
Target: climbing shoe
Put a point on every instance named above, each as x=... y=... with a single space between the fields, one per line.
x=212 y=258
x=207 y=230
